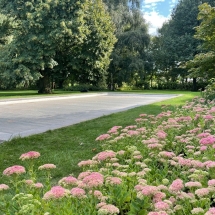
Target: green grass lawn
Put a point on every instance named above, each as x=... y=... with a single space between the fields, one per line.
x=67 y=146
x=9 y=94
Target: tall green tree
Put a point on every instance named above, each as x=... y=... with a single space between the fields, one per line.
x=129 y=56
x=203 y=63
x=177 y=36
x=53 y=35
x=6 y=28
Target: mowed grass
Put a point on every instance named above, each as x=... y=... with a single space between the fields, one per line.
x=67 y=146
x=9 y=94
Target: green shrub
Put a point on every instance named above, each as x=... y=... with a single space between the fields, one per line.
x=84 y=88
x=209 y=91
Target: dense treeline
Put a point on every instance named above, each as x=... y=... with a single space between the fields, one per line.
x=104 y=44
x=55 y=39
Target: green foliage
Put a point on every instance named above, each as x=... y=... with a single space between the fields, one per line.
x=175 y=43
x=84 y=88
x=55 y=37
x=203 y=63
x=6 y=27
x=209 y=92
x=129 y=55
x=93 y=55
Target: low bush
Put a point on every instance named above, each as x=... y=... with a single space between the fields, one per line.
x=84 y=88
x=209 y=91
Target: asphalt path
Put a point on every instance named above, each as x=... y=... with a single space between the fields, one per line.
x=24 y=117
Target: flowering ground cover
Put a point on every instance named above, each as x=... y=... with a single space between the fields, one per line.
x=161 y=164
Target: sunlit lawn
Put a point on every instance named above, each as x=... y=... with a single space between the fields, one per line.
x=67 y=146
x=8 y=94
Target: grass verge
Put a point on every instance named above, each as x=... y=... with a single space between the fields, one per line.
x=67 y=146
x=9 y=94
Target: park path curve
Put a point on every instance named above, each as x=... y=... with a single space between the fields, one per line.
x=24 y=117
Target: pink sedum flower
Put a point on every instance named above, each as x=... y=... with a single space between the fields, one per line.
x=161 y=206
x=56 y=192
x=29 y=182
x=157 y=213
x=78 y=192
x=70 y=180
x=177 y=185
x=47 y=166
x=211 y=182
x=121 y=152
x=95 y=179
x=203 y=148
x=161 y=134
x=197 y=211
x=4 y=187
x=207 y=140
x=99 y=205
x=105 y=155
x=29 y=155
x=108 y=209
x=83 y=175
x=202 y=192
x=149 y=190
x=103 y=137
x=97 y=194
x=132 y=133
x=17 y=170
x=159 y=196
x=38 y=185
x=211 y=211
x=87 y=163
x=166 y=154
x=191 y=184
x=113 y=180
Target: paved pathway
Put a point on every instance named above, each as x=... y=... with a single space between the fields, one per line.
x=24 y=117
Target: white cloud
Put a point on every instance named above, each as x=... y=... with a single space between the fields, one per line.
x=155 y=21
x=152 y=1
x=147 y=6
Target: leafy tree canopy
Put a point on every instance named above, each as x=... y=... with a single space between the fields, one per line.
x=175 y=43
x=80 y=32
x=203 y=63
x=128 y=57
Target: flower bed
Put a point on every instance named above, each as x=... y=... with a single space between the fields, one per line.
x=161 y=165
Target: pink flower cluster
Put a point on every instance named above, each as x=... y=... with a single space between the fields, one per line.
x=177 y=185
x=211 y=211
x=4 y=187
x=108 y=209
x=113 y=180
x=209 y=140
x=17 y=170
x=30 y=155
x=47 y=166
x=87 y=163
x=78 y=192
x=94 y=179
x=104 y=155
x=103 y=137
x=70 y=180
x=114 y=130
x=56 y=192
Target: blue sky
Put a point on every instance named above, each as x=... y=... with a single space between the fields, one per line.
x=156 y=12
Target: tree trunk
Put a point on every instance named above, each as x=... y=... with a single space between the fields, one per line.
x=60 y=83
x=194 y=84
x=44 y=84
